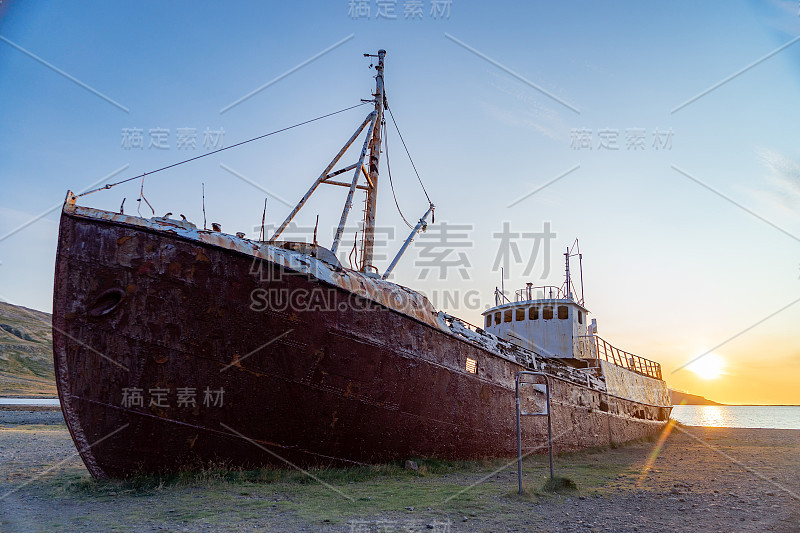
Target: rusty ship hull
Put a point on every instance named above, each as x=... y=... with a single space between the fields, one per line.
x=146 y=312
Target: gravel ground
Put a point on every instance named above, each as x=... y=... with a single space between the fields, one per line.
x=702 y=479
x=12 y=416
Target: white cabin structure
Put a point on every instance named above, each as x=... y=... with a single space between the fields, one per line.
x=547 y=320
x=552 y=322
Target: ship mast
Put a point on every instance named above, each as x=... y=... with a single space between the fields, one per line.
x=372 y=143
x=575 y=250
x=374 y=159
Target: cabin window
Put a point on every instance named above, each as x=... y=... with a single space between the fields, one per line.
x=507 y=316
x=488 y=320
x=580 y=317
x=471 y=366
x=520 y=314
x=547 y=312
x=563 y=312
x=533 y=313
x=497 y=318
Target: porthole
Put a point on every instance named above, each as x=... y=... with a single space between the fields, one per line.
x=106 y=302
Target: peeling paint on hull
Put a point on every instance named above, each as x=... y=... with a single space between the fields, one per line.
x=351 y=381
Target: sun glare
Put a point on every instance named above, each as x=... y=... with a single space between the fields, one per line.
x=710 y=366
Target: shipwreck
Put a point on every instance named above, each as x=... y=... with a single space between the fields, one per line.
x=176 y=346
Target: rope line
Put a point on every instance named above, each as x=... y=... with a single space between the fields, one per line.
x=409 y=156
x=389 y=168
x=109 y=185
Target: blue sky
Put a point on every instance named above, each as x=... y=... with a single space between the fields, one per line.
x=672 y=268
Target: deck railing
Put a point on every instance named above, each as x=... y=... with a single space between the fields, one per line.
x=593 y=347
x=528 y=293
x=544 y=292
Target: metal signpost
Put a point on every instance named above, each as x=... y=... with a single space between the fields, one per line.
x=520 y=414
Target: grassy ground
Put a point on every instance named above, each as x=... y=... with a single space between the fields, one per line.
x=688 y=486
x=334 y=495
x=437 y=491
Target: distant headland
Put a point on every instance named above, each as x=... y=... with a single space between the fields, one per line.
x=685 y=398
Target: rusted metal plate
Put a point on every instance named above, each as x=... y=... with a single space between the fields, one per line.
x=345 y=374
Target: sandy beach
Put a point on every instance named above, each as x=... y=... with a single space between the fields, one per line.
x=700 y=479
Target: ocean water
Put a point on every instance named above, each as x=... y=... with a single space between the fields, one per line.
x=29 y=401
x=739 y=416
x=729 y=416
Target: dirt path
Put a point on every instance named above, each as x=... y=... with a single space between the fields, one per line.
x=701 y=479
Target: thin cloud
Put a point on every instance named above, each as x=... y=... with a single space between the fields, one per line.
x=783 y=182
x=521 y=119
x=522 y=110
x=780 y=15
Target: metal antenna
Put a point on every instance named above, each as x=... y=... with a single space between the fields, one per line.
x=502 y=283
x=580 y=263
x=569 y=282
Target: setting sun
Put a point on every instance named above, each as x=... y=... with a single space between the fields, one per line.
x=710 y=366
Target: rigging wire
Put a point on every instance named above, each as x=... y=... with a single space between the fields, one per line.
x=109 y=185
x=409 y=156
x=262 y=236
x=141 y=197
x=204 y=206
x=353 y=251
x=389 y=169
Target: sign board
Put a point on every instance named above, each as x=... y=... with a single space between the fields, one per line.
x=533 y=402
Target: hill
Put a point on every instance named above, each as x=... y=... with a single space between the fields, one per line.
x=679 y=397
x=26 y=352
